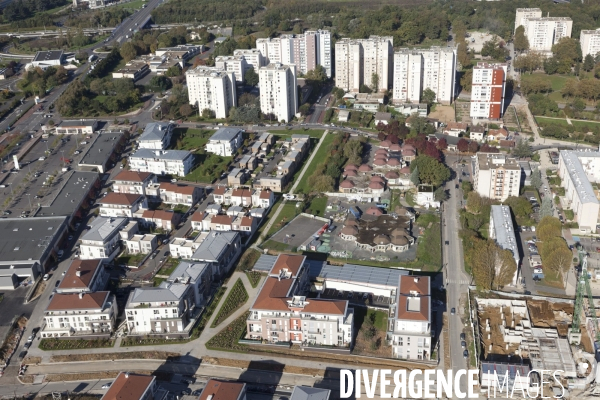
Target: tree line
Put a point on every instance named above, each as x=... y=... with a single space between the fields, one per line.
x=22 y=9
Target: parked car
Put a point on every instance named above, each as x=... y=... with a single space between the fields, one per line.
x=466 y=354
x=453 y=311
x=46 y=277
x=61 y=253
x=463 y=336
x=106 y=385
x=463 y=344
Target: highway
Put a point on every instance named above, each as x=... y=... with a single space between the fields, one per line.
x=136 y=21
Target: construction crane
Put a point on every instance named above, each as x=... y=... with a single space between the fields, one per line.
x=583 y=289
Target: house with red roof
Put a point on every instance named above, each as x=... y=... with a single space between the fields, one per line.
x=122 y=204
x=161 y=219
x=133 y=182
x=171 y=193
x=282 y=313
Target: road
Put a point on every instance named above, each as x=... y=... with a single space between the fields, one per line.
x=136 y=21
x=456 y=280
x=320 y=107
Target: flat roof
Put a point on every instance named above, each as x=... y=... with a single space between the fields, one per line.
x=582 y=184
x=26 y=239
x=78 y=122
x=101 y=149
x=51 y=55
x=388 y=277
x=265 y=263
x=504 y=232
x=70 y=196
x=214 y=245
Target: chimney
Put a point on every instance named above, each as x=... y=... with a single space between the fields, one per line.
x=126 y=375
x=416 y=279
x=81 y=295
x=78 y=273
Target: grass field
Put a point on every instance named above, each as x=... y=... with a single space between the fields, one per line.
x=191 y=139
x=557 y=81
x=317 y=206
x=288 y=212
x=580 y=126
x=209 y=167
x=133 y=5
x=313 y=133
x=319 y=157
x=552 y=121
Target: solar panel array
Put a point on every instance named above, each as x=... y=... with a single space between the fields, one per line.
x=359 y=273
x=265 y=263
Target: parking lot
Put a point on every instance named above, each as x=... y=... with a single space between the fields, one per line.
x=298 y=231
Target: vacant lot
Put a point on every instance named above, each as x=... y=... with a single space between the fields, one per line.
x=303 y=186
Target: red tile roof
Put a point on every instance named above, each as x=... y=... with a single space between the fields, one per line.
x=410 y=287
x=292 y=263
x=247 y=221
x=86 y=269
x=393 y=162
x=380 y=161
x=273 y=295
x=350 y=166
x=241 y=193
x=374 y=210
x=159 y=214
x=392 y=175
x=128 y=386
x=351 y=172
x=183 y=189
x=405 y=170
x=265 y=194
x=337 y=307
x=365 y=168
x=221 y=390
x=126 y=199
x=456 y=126
x=72 y=301
x=197 y=216
x=220 y=190
x=347 y=184
x=132 y=176
x=221 y=219
x=385 y=144
x=395 y=147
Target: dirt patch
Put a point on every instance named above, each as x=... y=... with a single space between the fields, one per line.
x=38 y=290
x=265 y=366
x=363 y=346
x=493 y=340
x=12 y=339
x=32 y=360
x=444 y=113
x=86 y=376
x=545 y=314
x=586 y=341
x=131 y=355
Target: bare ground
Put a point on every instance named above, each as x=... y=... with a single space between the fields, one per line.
x=443 y=113
x=131 y=355
x=266 y=366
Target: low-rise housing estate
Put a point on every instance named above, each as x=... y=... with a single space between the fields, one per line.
x=132 y=386
x=161 y=219
x=102 y=240
x=133 y=182
x=167 y=162
x=223 y=390
x=84 y=276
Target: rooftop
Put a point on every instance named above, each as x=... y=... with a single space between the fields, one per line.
x=103 y=227
x=126 y=199
x=165 y=292
x=163 y=215
x=128 y=386
x=493 y=161
x=70 y=196
x=27 y=239
x=309 y=393
x=167 y=155
x=78 y=123
x=413 y=299
x=101 y=149
x=584 y=188
x=155 y=131
x=53 y=55
x=214 y=245
x=80 y=274
x=504 y=232
x=222 y=390
x=177 y=188
x=369 y=276
x=78 y=301
x=275 y=67
x=132 y=176
x=207 y=72
x=188 y=270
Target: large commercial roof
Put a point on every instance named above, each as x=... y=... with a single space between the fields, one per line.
x=69 y=198
x=27 y=239
x=101 y=149
x=584 y=188
x=166 y=155
x=504 y=232
x=226 y=134
x=388 y=277
x=104 y=227
x=53 y=55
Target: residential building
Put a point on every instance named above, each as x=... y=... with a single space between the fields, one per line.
x=171 y=193
x=102 y=240
x=84 y=276
x=455 y=129
x=122 y=204
x=80 y=314
x=161 y=219
x=278 y=91
x=141 y=244
x=172 y=306
x=501 y=230
x=369 y=101
x=132 y=386
x=241 y=197
x=185 y=248
x=237 y=177
x=488 y=88
x=545 y=32
x=223 y=390
x=134 y=70
x=156 y=136
x=45 y=59
x=590 y=42
x=254 y=58
x=133 y=182
x=577 y=169
x=212 y=88
x=181 y=52
x=497 y=134
x=409 y=109
x=263 y=198
x=220 y=249
x=383 y=118
x=309 y=393
x=349 y=59
x=496 y=176
x=418 y=69
x=162 y=162
x=410 y=319
x=232 y=64
x=274 y=183
x=523 y=14
x=77 y=127
x=477 y=133
x=225 y=141
x=281 y=312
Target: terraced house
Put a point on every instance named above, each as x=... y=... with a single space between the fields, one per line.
x=281 y=312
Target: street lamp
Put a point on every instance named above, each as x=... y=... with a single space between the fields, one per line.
x=29 y=198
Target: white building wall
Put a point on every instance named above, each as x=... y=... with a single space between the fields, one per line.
x=522 y=14
x=590 y=42
x=213 y=89
x=278 y=91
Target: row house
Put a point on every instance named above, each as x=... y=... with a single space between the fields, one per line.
x=133 y=182
x=170 y=193
x=243 y=197
x=141 y=244
x=102 y=240
x=84 y=276
x=80 y=314
x=122 y=204
x=280 y=313
x=220 y=222
x=132 y=386
x=160 y=219
x=185 y=248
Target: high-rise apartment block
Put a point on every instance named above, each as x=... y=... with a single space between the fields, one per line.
x=254 y=59
x=487 y=93
x=306 y=51
x=496 y=176
x=590 y=42
x=357 y=62
x=418 y=69
x=542 y=32
x=212 y=88
x=278 y=91
x=235 y=64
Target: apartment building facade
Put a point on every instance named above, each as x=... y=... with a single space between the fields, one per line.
x=358 y=61
x=80 y=314
x=523 y=14
x=280 y=313
x=232 y=64
x=488 y=89
x=165 y=162
x=590 y=42
x=496 y=176
x=349 y=56
x=418 y=69
x=156 y=136
x=225 y=141
x=122 y=204
x=102 y=240
x=212 y=88
x=410 y=319
x=279 y=91
x=254 y=58
x=133 y=182
x=545 y=32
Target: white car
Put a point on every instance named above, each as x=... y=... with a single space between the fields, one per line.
x=41 y=158
x=106 y=385
x=46 y=277
x=61 y=253
x=289 y=196
x=173 y=180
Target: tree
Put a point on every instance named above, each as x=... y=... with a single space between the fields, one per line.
x=207 y=113
x=520 y=206
x=442 y=144
x=175 y=70
x=548 y=228
x=440 y=194
x=317 y=76
x=466 y=80
x=323 y=183
x=428 y=97
x=522 y=149
x=128 y=51
x=414 y=176
x=567 y=49
x=536 y=179
x=186 y=110
x=375 y=82
x=463 y=145
x=529 y=62
x=462 y=54
x=251 y=77
x=495 y=49
x=431 y=171
x=546 y=210
x=493 y=267
x=588 y=63
x=520 y=41
x=304 y=109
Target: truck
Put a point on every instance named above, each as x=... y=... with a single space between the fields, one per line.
x=354 y=211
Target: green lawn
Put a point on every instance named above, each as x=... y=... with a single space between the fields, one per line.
x=410 y=199
x=319 y=157
x=287 y=213
x=209 y=167
x=191 y=139
x=317 y=206
x=429 y=245
x=580 y=126
x=381 y=320
x=558 y=81
x=133 y=5
x=313 y=133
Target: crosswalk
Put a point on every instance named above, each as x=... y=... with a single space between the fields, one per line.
x=458 y=281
